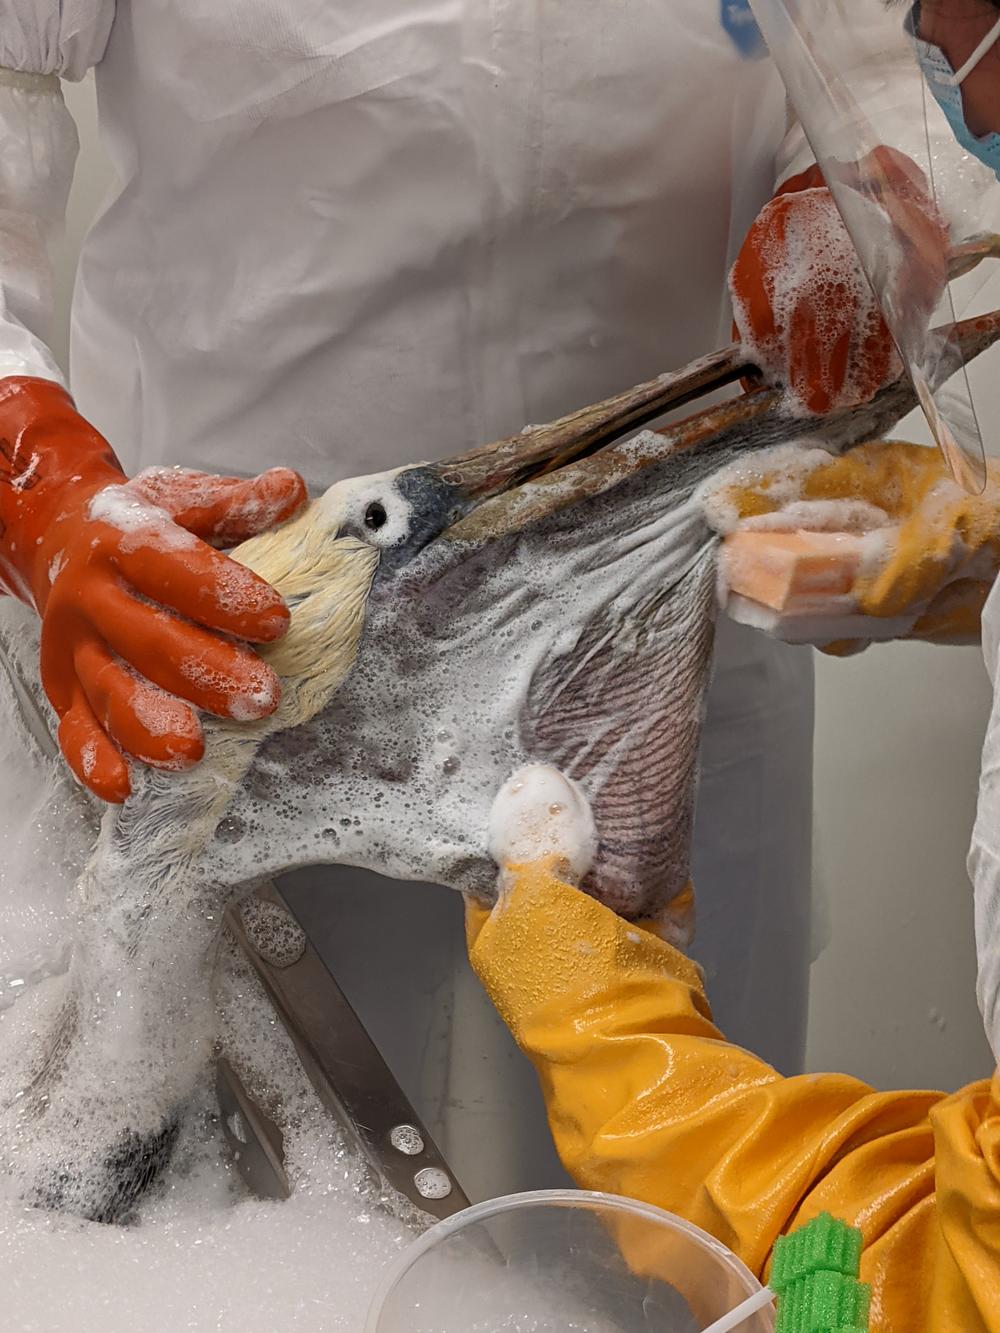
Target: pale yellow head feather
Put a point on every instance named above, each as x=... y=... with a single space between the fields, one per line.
x=328 y=579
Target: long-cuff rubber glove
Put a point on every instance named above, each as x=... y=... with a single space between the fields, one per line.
x=802 y=304
x=138 y=612
x=877 y=544
x=647 y=1099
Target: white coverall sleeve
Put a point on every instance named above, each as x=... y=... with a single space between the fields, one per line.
x=984 y=854
x=41 y=42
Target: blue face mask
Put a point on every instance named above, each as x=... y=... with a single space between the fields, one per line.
x=945 y=84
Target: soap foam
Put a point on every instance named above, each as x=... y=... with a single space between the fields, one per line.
x=202 y=1255
x=160 y=713
x=119 y=1039
x=540 y=812
x=140 y=523
x=56 y=566
x=780 y=473
x=851 y=516
x=46 y=833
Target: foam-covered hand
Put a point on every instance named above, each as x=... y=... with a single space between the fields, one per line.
x=540 y=814
x=542 y=818
x=139 y=612
x=803 y=306
x=877 y=544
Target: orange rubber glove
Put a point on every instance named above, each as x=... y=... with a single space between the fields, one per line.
x=803 y=305
x=646 y=1098
x=137 y=610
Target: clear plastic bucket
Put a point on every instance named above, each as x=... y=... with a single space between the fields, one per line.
x=563 y=1261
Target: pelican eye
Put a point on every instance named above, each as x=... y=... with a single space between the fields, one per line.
x=375 y=516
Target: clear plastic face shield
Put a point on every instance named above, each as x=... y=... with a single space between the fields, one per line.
x=906 y=190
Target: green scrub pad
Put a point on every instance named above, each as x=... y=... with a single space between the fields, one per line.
x=815 y=1275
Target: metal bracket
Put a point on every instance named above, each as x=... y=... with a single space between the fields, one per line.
x=343 y=1063
x=254 y=1139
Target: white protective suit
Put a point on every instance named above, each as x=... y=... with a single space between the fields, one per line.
x=354 y=233
x=984 y=853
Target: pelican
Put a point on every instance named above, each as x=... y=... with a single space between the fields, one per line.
x=548 y=598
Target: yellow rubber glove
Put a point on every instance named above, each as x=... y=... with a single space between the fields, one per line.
x=646 y=1098
x=877 y=544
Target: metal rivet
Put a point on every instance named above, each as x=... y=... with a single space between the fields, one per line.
x=432 y=1183
x=273 y=932
x=407 y=1139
